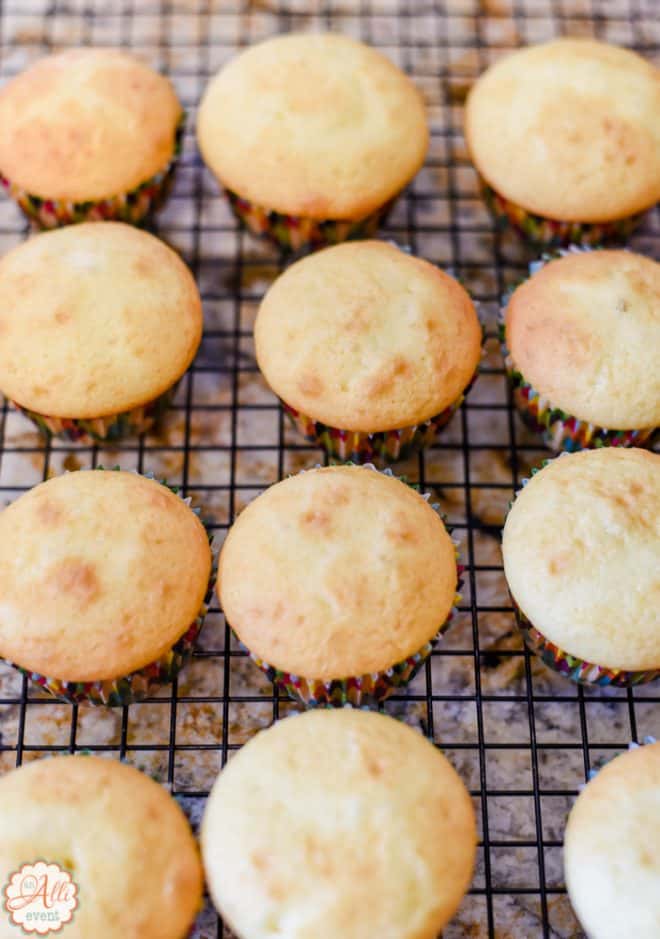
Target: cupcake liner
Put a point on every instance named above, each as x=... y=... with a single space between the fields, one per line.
x=571 y=666
x=129 y=688
x=297 y=233
x=578 y=670
x=131 y=207
x=385 y=446
x=560 y=430
x=369 y=689
x=547 y=232
x=108 y=429
x=141 y=683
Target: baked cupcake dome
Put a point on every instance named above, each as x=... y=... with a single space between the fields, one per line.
x=369 y=348
x=338 y=823
x=103 y=577
x=582 y=349
x=88 y=134
x=581 y=548
x=312 y=136
x=612 y=848
x=121 y=836
x=338 y=581
x=566 y=138
x=98 y=323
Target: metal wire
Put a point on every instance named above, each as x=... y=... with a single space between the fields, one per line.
x=522 y=739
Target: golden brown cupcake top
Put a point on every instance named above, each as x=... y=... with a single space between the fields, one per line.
x=569 y=130
x=365 y=337
x=95 y=319
x=86 y=124
x=122 y=837
x=584 y=331
x=339 y=823
x=337 y=572
x=313 y=125
x=101 y=572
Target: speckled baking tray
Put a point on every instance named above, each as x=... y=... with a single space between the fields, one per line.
x=522 y=738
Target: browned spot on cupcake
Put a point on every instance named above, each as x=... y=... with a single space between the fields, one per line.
x=374 y=767
x=159 y=497
x=381 y=381
x=317 y=855
x=317 y=519
x=339 y=494
x=310 y=384
x=260 y=861
x=62 y=316
x=400 y=531
x=143 y=265
x=357 y=321
x=76 y=577
x=49 y=512
x=277 y=889
x=646 y=282
x=559 y=564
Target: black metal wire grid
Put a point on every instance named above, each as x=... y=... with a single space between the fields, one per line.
x=522 y=738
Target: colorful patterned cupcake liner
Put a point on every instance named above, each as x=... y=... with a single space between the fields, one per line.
x=129 y=688
x=145 y=681
x=131 y=207
x=385 y=446
x=546 y=232
x=298 y=233
x=559 y=430
x=369 y=689
x=577 y=669
x=109 y=429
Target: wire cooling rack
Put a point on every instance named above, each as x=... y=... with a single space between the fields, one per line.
x=522 y=738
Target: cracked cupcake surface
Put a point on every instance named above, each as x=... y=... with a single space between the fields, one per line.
x=88 y=134
x=104 y=577
x=370 y=349
x=339 y=581
x=581 y=343
x=581 y=547
x=566 y=138
x=312 y=136
x=98 y=323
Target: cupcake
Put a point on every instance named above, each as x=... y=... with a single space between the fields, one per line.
x=97 y=325
x=313 y=137
x=338 y=823
x=581 y=550
x=112 y=848
x=566 y=139
x=103 y=577
x=338 y=581
x=581 y=342
x=88 y=134
x=370 y=349
x=612 y=848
